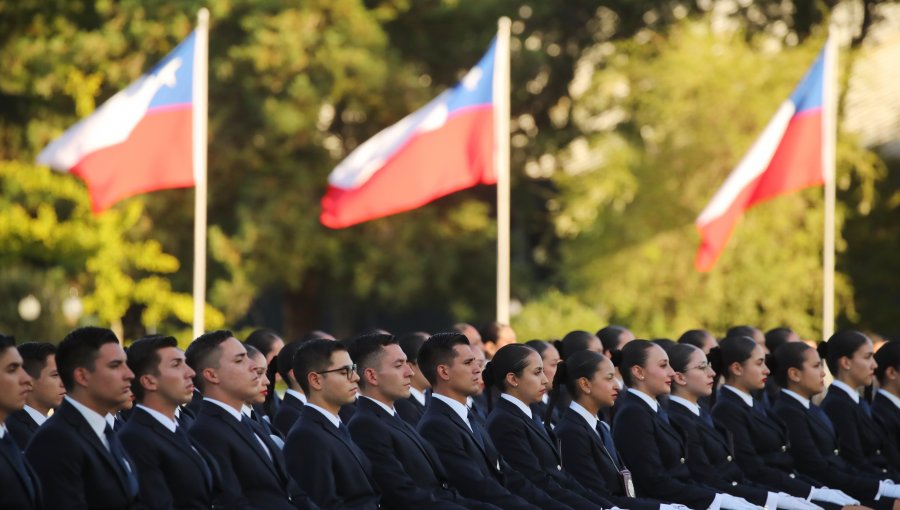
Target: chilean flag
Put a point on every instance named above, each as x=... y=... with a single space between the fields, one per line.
x=140 y=140
x=786 y=158
x=445 y=146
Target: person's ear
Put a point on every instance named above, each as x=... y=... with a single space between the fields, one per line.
x=737 y=368
x=679 y=379
x=149 y=382
x=370 y=377
x=512 y=381
x=314 y=380
x=793 y=374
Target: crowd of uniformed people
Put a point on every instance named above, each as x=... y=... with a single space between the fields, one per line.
x=465 y=419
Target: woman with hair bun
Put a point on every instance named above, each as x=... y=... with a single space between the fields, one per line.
x=761 y=446
x=851 y=360
x=516 y=371
x=710 y=454
x=814 y=447
x=886 y=404
x=585 y=441
x=652 y=449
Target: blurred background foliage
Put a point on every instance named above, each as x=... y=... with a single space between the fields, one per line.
x=627 y=115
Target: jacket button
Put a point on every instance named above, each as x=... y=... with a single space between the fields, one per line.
x=836 y=451
x=792 y=475
x=682 y=460
x=877 y=452
x=559 y=468
x=728 y=458
x=734 y=484
x=784 y=447
x=445 y=485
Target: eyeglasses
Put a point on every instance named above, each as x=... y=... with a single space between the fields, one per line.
x=702 y=367
x=346 y=371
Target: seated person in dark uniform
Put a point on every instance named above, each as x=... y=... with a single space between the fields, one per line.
x=294 y=399
x=76 y=454
x=173 y=470
x=20 y=488
x=251 y=465
x=321 y=456
x=47 y=391
x=412 y=408
x=405 y=466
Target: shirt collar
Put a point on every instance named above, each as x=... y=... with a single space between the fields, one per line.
x=470 y=402
x=847 y=389
x=692 y=407
x=333 y=418
x=389 y=410
x=458 y=408
x=232 y=411
x=95 y=420
x=418 y=395
x=646 y=398
x=160 y=417
x=36 y=415
x=296 y=394
x=518 y=403
x=111 y=420
x=591 y=420
x=247 y=411
x=2 y=430
x=746 y=397
x=545 y=398
x=796 y=396
x=890 y=396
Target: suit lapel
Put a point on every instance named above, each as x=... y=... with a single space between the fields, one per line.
x=157 y=428
x=243 y=433
x=74 y=417
x=397 y=423
x=444 y=409
x=354 y=450
x=26 y=419
x=515 y=412
x=28 y=479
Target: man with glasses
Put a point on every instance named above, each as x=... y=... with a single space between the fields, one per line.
x=252 y=467
x=320 y=455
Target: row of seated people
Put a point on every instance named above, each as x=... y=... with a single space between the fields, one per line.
x=664 y=450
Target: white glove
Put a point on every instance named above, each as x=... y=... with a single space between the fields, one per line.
x=831 y=496
x=887 y=489
x=788 y=502
x=729 y=502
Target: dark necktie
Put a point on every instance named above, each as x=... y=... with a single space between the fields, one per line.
x=476 y=428
x=865 y=407
x=540 y=424
x=759 y=409
x=15 y=454
x=185 y=441
x=344 y=431
x=707 y=418
x=608 y=443
x=115 y=448
x=257 y=440
x=663 y=415
x=822 y=418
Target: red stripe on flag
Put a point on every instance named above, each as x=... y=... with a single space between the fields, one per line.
x=796 y=164
x=459 y=155
x=156 y=156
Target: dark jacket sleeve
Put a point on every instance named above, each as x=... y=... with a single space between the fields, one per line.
x=750 y=462
x=636 y=441
x=470 y=481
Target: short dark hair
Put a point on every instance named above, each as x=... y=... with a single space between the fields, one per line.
x=6 y=341
x=313 y=356
x=317 y=334
x=695 y=337
x=366 y=351
x=80 y=349
x=540 y=346
x=439 y=350
x=143 y=359
x=610 y=337
x=284 y=362
x=262 y=340
x=573 y=342
x=411 y=343
x=34 y=356
x=887 y=356
x=204 y=352
x=490 y=333
x=777 y=337
x=253 y=351
x=747 y=331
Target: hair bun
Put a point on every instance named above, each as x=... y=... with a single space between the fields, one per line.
x=822 y=349
x=715 y=360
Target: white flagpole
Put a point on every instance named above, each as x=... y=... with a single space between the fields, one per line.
x=501 y=163
x=201 y=56
x=829 y=139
